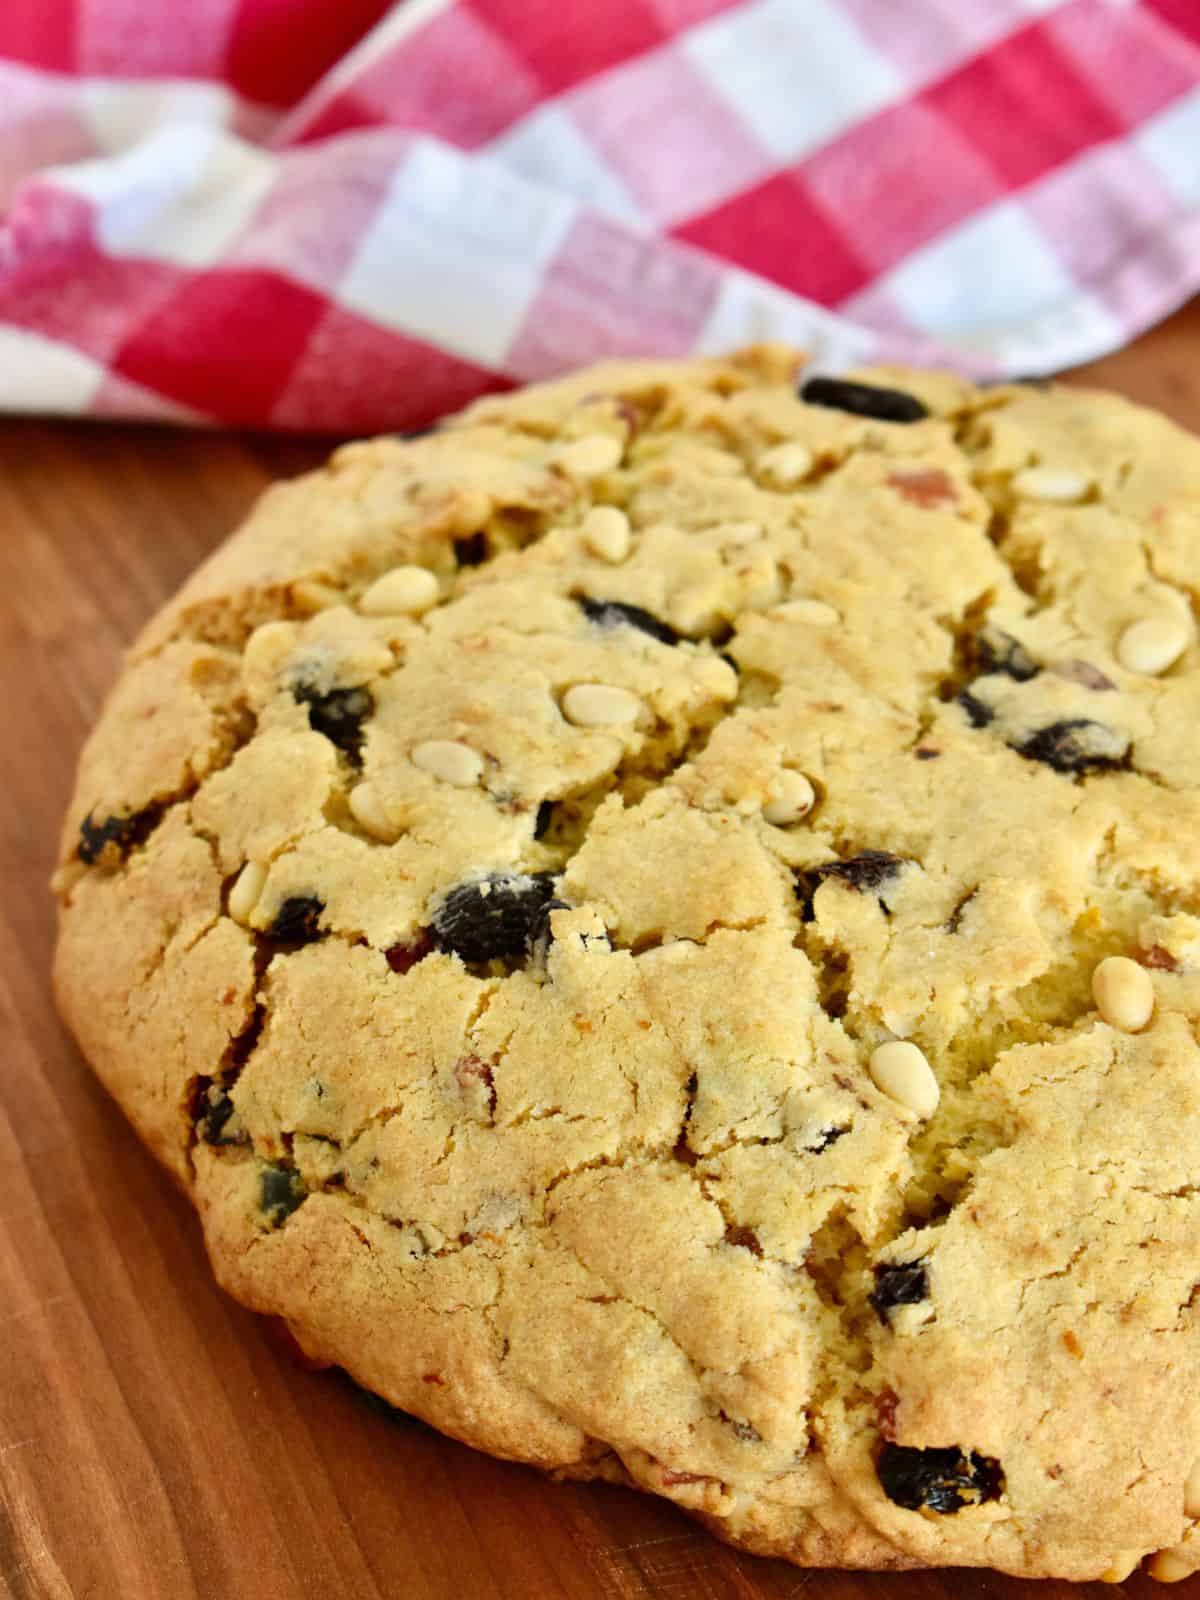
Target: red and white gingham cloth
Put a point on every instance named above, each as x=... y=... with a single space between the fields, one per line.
x=352 y=215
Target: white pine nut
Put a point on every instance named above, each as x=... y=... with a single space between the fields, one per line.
x=1124 y=993
x=247 y=892
x=450 y=761
x=402 y=592
x=1054 y=484
x=311 y=595
x=267 y=647
x=901 y=1071
x=1151 y=646
x=1123 y=1564
x=814 y=612
x=1191 y=1492
x=368 y=811
x=599 y=705
x=1171 y=1566
x=590 y=456
x=606 y=533
x=785 y=465
x=790 y=797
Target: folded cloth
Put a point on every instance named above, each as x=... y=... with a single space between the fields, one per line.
x=348 y=215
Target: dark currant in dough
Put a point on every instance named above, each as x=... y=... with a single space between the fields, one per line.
x=337 y=713
x=978 y=715
x=471 y=552
x=215 y=1110
x=494 y=918
x=298 y=920
x=121 y=831
x=540 y=932
x=1076 y=745
x=280 y=1191
x=1000 y=652
x=899 y=1284
x=863 y=399
x=938 y=1480
x=870 y=869
x=616 y=614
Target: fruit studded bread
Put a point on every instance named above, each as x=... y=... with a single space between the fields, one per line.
x=659 y=926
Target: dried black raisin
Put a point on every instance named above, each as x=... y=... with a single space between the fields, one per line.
x=806 y=887
x=978 y=714
x=494 y=918
x=616 y=614
x=869 y=869
x=337 y=713
x=471 y=552
x=540 y=933
x=899 y=1284
x=298 y=920
x=863 y=399
x=1000 y=652
x=938 y=1480
x=280 y=1191
x=216 y=1108
x=1076 y=745
x=825 y=1138
x=121 y=830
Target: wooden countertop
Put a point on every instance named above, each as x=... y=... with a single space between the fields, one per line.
x=154 y=1442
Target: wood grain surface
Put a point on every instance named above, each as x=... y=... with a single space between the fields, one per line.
x=154 y=1441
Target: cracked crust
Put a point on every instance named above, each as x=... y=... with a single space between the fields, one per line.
x=623 y=1204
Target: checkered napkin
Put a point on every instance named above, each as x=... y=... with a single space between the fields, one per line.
x=351 y=215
